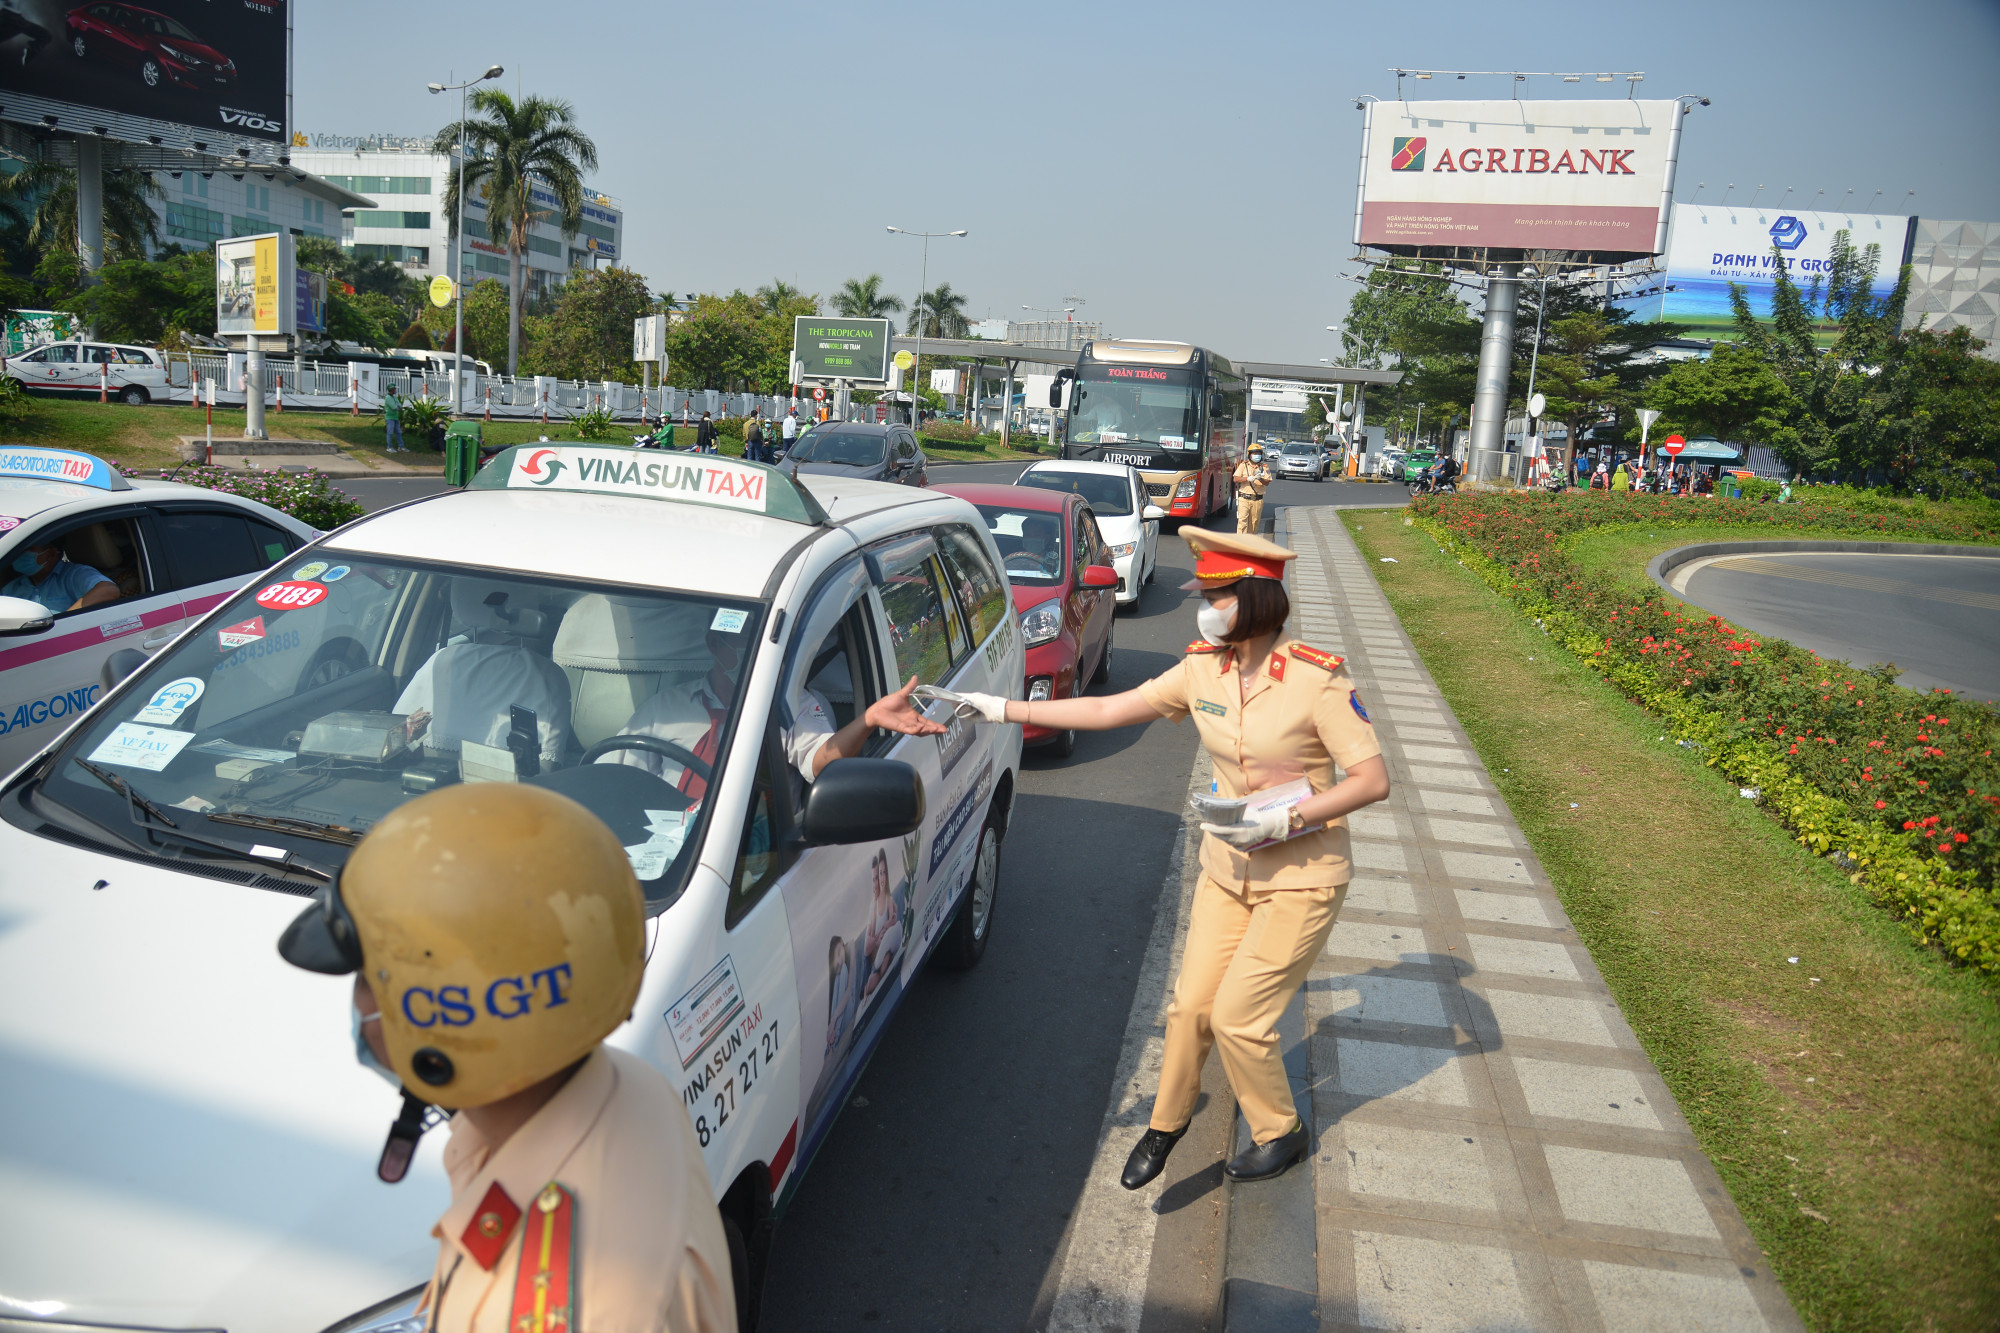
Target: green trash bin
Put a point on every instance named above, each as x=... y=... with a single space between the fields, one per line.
x=461 y=452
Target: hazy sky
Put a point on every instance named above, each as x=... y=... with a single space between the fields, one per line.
x=1188 y=169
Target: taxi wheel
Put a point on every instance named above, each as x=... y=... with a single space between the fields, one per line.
x=134 y=396
x=964 y=942
x=1103 y=676
x=1064 y=745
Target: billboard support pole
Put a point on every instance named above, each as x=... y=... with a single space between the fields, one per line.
x=1496 y=365
x=253 y=391
x=89 y=211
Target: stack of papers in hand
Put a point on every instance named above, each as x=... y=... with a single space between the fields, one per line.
x=666 y=830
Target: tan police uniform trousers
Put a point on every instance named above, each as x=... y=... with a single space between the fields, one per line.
x=1250 y=483
x=1261 y=917
x=648 y=1254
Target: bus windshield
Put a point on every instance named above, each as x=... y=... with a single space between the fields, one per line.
x=1112 y=405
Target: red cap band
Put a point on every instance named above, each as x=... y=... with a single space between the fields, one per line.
x=1227 y=567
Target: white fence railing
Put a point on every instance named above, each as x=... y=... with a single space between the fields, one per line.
x=360 y=386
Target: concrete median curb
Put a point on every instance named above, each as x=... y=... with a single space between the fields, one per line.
x=1661 y=568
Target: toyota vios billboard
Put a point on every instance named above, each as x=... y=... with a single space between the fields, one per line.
x=212 y=73
x=1590 y=176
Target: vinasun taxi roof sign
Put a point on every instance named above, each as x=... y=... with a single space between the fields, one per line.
x=651 y=474
x=61 y=465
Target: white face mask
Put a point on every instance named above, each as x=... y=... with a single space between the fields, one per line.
x=1215 y=623
x=366 y=1056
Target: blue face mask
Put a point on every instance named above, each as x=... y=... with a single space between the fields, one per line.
x=366 y=1056
x=27 y=563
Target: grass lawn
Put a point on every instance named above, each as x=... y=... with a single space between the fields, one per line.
x=985 y=449
x=1850 y=1101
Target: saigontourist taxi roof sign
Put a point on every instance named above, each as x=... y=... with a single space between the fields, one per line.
x=1587 y=176
x=61 y=465
x=650 y=474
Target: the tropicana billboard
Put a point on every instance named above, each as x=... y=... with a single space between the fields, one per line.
x=1586 y=176
x=1713 y=247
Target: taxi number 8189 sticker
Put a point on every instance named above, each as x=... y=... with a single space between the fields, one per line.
x=292 y=595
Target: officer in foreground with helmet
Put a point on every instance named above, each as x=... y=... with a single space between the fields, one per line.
x=496 y=936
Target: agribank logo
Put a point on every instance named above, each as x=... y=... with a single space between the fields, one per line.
x=1787 y=232
x=1408 y=154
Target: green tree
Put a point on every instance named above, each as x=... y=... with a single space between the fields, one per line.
x=715 y=343
x=146 y=301
x=588 y=336
x=1834 y=394
x=775 y=295
x=1385 y=317
x=1935 y=414
x=863 y=298
x=44 y=193
x=939 y=313
x=512 y=148
x=1731 y=394
x=487 y=311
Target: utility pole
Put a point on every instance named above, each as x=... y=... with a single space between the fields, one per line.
x=458 y=248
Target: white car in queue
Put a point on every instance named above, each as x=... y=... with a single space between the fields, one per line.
x=1126 y=519
x=651 y=635
x=93 y=564
x=124 y=372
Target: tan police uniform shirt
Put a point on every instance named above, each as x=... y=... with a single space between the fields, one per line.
x=1251 y=479
x=648 y=1252
x=1298 y=719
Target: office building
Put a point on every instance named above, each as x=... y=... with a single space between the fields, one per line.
x=407 y=225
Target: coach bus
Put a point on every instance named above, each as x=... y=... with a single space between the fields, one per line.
x=1176 y=412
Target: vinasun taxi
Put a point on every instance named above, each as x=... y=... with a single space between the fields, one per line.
x=185 y=1121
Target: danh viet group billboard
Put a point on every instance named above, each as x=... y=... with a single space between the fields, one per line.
x=1712 y=247
x=1590 y=176
x=176 y=72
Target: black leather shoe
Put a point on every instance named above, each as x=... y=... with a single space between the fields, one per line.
x=1261 y=1161
x=1149 y=1157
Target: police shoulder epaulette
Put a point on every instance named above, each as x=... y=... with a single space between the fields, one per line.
x=1204 y=646
x=1316 y=657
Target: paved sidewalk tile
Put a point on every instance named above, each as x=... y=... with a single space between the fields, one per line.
x=1492 y=1148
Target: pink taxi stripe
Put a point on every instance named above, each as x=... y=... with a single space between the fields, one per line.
x=200 y=606
x=43 y=649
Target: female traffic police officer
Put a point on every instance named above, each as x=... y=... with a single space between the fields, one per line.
x=502 y=932
x=1270 y=712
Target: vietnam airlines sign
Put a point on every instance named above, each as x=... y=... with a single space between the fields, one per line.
x=1574 y=175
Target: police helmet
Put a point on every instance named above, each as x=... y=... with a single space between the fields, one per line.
x=501 y=929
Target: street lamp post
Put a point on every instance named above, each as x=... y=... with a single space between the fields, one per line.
x=458 y=256
x=923 y=283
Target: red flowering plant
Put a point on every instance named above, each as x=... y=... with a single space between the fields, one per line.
x=1922 y=764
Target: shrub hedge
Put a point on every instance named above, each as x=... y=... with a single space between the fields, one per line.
x=309 y=497
x=1901 y=786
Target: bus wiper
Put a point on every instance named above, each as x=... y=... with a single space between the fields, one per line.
x=156 y=820
x=304 y=828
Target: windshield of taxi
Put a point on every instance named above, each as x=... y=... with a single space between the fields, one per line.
x=853 y=447
x=310 y=707
x=1107 y=495
x=1030 y=542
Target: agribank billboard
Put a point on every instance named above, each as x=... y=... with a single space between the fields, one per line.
x=1588 y=176
x=1712 y=247
x=212 y=75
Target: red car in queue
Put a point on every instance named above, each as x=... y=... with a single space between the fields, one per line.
x=1064 y=587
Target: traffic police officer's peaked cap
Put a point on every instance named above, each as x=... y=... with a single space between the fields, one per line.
x=501 y=929
x=1224 y=557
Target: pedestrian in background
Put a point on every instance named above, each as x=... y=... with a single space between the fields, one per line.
x=1619 y=481
x=791 y=427
x=753 y=438
x=1272 y=713
x=579 y=1197
x=704 y=435
x=392 y=418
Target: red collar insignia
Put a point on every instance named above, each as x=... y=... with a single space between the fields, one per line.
x=485 y=1236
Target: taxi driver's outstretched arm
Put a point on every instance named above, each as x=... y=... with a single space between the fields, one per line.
x=892 y=712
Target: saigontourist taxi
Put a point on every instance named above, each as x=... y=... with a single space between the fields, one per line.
x=664 y=639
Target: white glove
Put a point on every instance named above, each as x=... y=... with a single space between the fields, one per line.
x=1263 y=826
x=991 y=707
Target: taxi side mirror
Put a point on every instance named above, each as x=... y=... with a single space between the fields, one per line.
x=1152 y=512
x=21 y=617
x=862 y=800
x=1099 y=576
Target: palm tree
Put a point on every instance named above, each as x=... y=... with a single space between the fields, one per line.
x=44 y=194
x=940 y=314
x=774 y=296
x=511 y=148
x=863 y=298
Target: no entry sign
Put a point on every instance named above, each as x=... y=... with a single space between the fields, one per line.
x=1674 y=445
